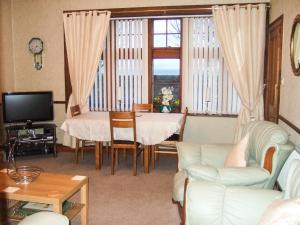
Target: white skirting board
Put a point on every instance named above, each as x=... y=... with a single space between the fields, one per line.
x=282 y=179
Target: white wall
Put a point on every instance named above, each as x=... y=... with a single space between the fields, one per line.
x=205 y=130
x=290 y=87
x=6 y=47
x=289 y=92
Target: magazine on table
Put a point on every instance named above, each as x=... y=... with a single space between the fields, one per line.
x=38 y=206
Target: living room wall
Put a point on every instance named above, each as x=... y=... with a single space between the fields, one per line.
x=6 y=46
x=289 y=91
x=35 y=18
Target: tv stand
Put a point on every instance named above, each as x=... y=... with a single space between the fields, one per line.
x=28 y=123
x=32 y=139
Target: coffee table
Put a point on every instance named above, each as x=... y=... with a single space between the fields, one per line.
x=49 y=188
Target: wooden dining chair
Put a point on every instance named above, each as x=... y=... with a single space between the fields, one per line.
x=142 y=107
x=123 y=120
x=168 y=146
x=75 y=111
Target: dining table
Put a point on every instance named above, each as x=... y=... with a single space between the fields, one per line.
x=151 y=129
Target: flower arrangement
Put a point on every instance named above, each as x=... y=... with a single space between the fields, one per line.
x=166 y=101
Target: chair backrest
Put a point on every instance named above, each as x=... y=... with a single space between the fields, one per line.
x=293 y=181
x=142 y=107
x=181 y=132
x=75 y=110
x=122 y=120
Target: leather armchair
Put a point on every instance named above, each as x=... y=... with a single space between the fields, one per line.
x=208 y=203
x=268 y=149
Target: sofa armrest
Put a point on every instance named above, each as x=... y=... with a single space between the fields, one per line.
x=212 y=203
x=210 y=154
x=245 y=176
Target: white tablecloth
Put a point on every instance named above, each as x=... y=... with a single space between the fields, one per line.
x=151 y=128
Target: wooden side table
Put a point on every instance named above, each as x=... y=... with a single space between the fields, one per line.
x=49 y=188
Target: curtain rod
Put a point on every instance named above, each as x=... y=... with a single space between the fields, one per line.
x=241 y=6
x=159 y=17
x=86 y=12
x=190 y=9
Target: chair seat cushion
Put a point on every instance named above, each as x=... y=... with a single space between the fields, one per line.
x=123 y=142
x=173 y=137
x=45 y=218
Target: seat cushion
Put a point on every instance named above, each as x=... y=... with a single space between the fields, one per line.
x=45 y=218
x=123 y=142
x=178 y=187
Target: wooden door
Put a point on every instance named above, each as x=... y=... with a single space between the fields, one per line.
x=273 y=70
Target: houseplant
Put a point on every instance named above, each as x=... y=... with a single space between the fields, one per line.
x=166 y=101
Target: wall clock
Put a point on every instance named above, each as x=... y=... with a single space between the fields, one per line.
x=36 y=48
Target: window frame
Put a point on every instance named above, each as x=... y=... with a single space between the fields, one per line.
x=163 y=53
x=140 y=12
x=135 y=12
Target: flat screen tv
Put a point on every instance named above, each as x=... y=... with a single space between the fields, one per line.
x=27 y=106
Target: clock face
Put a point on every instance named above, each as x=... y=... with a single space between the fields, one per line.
x=36 y=45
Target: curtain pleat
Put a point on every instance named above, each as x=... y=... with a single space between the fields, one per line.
x=241 y=33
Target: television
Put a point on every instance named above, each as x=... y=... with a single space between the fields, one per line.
x=27 y=106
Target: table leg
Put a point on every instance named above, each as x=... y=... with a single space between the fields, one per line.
x=98 y=155
x=146 y=158
x=57 y=207
x=85 y=201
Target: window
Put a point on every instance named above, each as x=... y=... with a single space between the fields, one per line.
x=98 y=98
x=144 y=55
x=166 y=33
x=166 y=73
x=165 y=44
x=208 y=87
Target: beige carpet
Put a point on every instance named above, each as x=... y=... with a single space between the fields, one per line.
x=121 y=199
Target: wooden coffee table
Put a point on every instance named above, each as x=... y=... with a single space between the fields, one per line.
x=49 y=188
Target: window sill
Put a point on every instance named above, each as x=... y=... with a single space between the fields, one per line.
x=212 y=115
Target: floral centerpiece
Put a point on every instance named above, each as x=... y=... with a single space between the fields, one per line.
x=165 y=101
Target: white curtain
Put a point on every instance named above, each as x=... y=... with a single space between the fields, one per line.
x=241 y=33
x=85 y=33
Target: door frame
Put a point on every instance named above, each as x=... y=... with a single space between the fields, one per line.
x=277 y=22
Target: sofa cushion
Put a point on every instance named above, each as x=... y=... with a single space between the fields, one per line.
x=237 y=155
x=45 y=218
x=282 y=212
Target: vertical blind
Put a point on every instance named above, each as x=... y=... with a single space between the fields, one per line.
x=209 y=88
x=98 y=97
x=122 y=75
x=130 y=79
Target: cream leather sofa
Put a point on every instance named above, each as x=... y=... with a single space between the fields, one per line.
x=267 y=152
x=210 y=203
